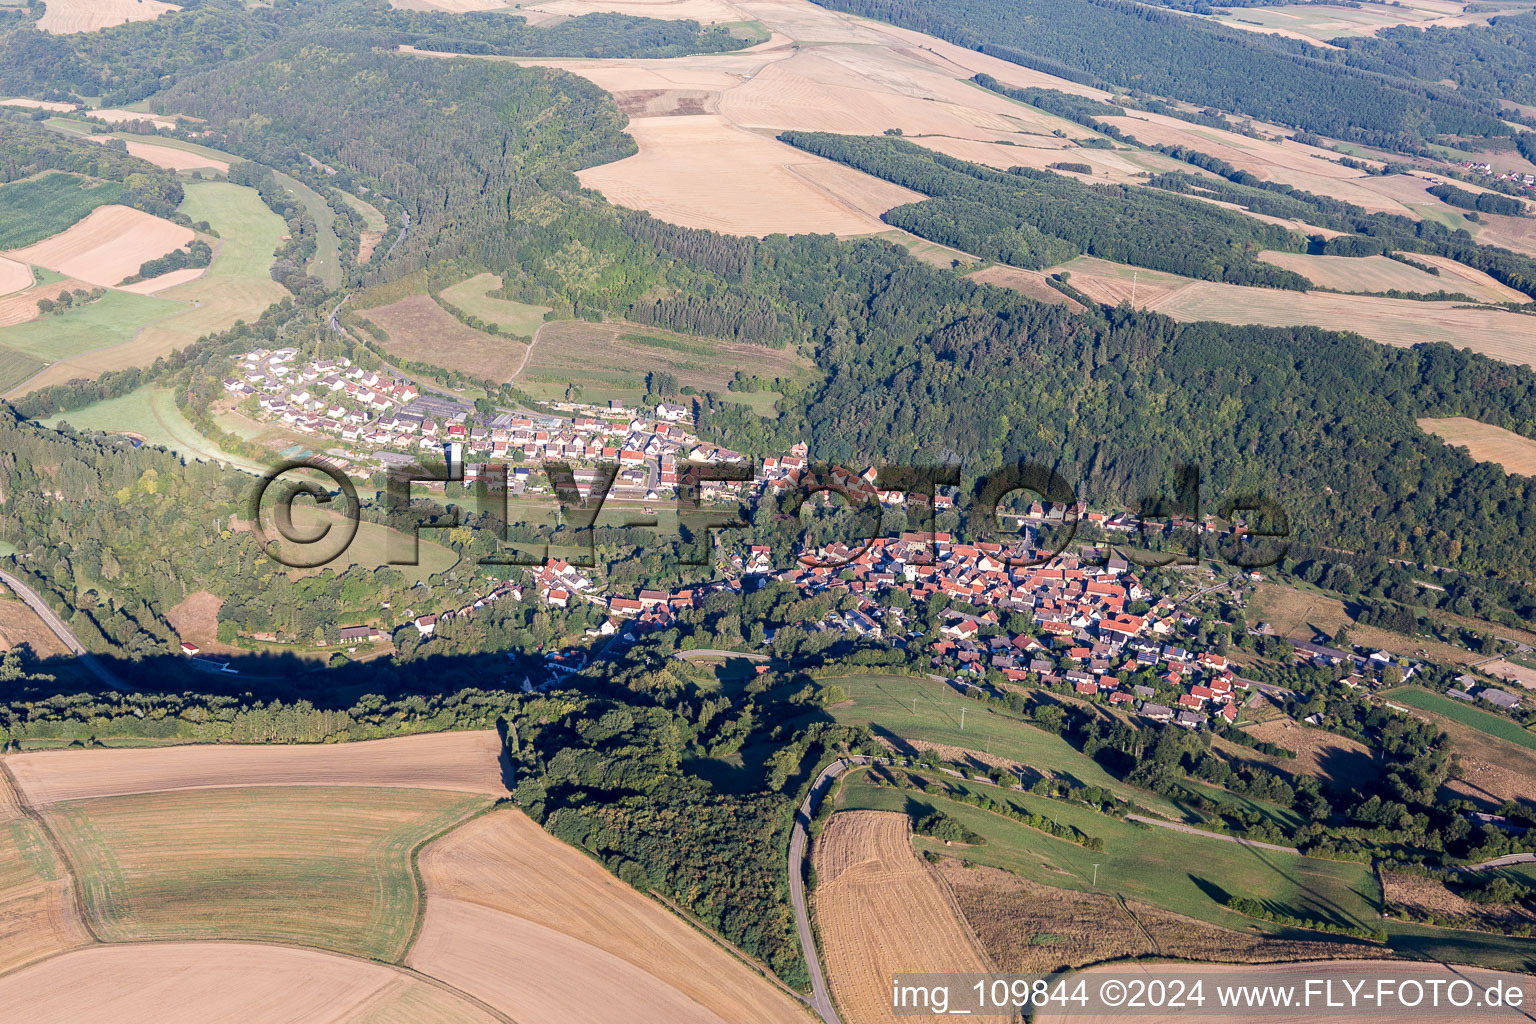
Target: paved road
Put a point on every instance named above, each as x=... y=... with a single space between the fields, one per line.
x=62 y=631
x=821 y=998
x=1501 y=862
x=1212 y=835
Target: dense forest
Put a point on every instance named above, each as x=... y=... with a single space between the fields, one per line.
x=1498 y=58
x=1036 y=219
x=1133 y=47
x=128 y=62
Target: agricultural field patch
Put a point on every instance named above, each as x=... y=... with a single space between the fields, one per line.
x=1492 y=770
x=237 y=286
x=16 y=367
x=14 y=276
x=500 y=886
x=460 y=762
x=417 y=328
x=1030 y=283
x=1465 y=714
x=37 y=910
x=702 y=171
x=1511 y=672
x=1027 y=927
x=326 y=262
x=37 y=208
x=314 y=866
x=1379 y=274
x=107 y=246
x=612 y=359
x=908 y=709
x=19 y=625
x=1297 y=613
x=881 y=910
x=65 y=17
x=155 y=983
x=1186 y=874
x=1485 y=442
x=151 y=415
x=473 y=297
x=113 y=319
x=170 y=157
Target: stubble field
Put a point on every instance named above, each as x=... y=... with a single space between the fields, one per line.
x=1485 y=443
x=107 y=246
x=37 y=907
x=461 y=762
x=67 y=16
x=421 y=330
x=313 y=866
x=881 y=910
x=500 y=889
x=190 y=983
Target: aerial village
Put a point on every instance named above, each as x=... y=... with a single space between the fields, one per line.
x=1092 y=623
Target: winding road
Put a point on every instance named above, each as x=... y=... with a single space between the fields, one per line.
x=61 y=630
x=821 y=996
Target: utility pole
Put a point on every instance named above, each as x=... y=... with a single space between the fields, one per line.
x=962 y=719
x=1133 y=289
x=1095 y=876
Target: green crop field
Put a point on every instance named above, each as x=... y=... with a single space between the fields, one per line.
x=110 y=320
x=1187 y=874
x=472 y=296
x=32 y=210
x=305 y=865
x=16 y=367
x=326 y=262
x=923 y=709
x=1456 y=711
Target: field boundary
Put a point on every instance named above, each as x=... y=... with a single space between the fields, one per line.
x=420 y=915
x=77 y=895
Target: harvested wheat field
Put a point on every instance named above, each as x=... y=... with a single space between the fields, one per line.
x=1509 y=337
x=14 y=276
x=1460 y=277
x=1295 y=975
x=156 y=983
x=1380 y=274
x=461 y=762
x=21 y=101
x=420 y=329
x=534 y=973
x=322 y=866
x=503 y=880
x=1485 y=443
x=1337 y=760
x=112 y=115
x=63 y=17
x=170 y=158
x=450 y=6
x=703 y=11
x=1028 y=927
x=701 y=171
x=107 y=246
x=19 y=307
x=881 y=911
x=1030 y=283
x=37 y=906
x=164 y=281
